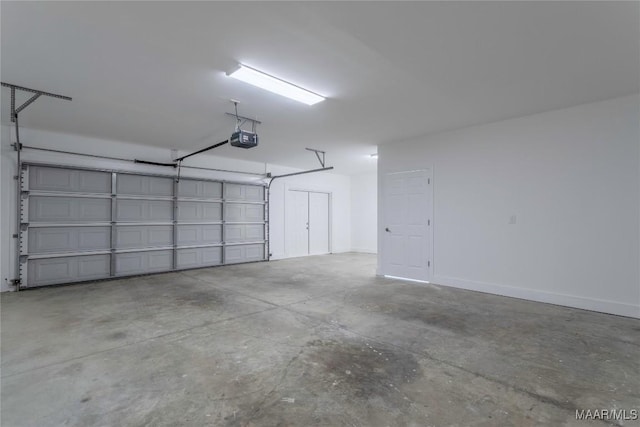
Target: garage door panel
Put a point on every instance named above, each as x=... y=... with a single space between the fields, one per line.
x=42 y=178
x=55 y=239
x=68 y=209
x=143 y=236
x=243 y=253
x=199 y=189
x=234 y=233
x=160 y=211
x=244 y=212
x=244 y=233
x=129 y=210
x=94 y=238
x=95 y=210
x=130 y=263
x=93 y=267
x=143 y=262
x=141 y=185
x=249 y=193
x=254 y=213
x=160 y=260
x=94 y=182
x=51 y=271
x=199 y=234
x=199 y=257
x=199 y=211
x=160 y=235
x=188 y=258
x=51 y=179
x=68 y=239
x=79 y=228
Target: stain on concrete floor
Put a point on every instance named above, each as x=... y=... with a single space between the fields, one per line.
x=315 y=341
x=359 y=370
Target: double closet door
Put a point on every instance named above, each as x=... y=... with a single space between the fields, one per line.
x=308 y=223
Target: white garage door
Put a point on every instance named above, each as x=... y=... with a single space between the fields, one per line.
x=80 y=224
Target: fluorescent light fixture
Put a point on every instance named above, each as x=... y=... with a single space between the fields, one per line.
x=275 y=85
x=374 y=155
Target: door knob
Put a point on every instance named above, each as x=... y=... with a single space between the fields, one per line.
x=387 y=230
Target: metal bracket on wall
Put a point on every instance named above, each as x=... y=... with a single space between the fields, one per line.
x=318 y=152
x=36 y=94
x=18 y=148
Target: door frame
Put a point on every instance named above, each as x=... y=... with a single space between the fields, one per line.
x=430 y=228
x=287 y=189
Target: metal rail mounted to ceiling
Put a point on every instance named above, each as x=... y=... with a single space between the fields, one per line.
x=177 y=162
x=121 y=159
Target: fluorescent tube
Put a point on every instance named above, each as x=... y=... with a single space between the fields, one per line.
x=275 y=85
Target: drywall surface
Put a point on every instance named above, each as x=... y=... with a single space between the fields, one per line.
x=544 y=207
x=337 y=185
x=364 y=214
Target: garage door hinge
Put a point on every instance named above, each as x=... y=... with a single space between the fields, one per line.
x=428 y=263
x=428 y=180
x=428 y=222
x=15 y=236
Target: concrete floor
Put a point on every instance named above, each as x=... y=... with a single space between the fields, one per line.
x=301 y=342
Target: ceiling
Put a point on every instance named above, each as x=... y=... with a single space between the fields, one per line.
x=154 y=72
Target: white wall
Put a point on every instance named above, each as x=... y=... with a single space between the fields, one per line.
x=337 y=185
x=572 y=179
x=364 y=213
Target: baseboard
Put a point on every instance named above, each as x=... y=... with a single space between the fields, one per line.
x=365 y=250
x=600 y=305
x=278 y=256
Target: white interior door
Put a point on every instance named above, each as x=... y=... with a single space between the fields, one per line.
x=318 y=223
x=298 y=224
x=407 y=219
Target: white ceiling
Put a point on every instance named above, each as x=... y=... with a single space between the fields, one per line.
x=153 y=72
